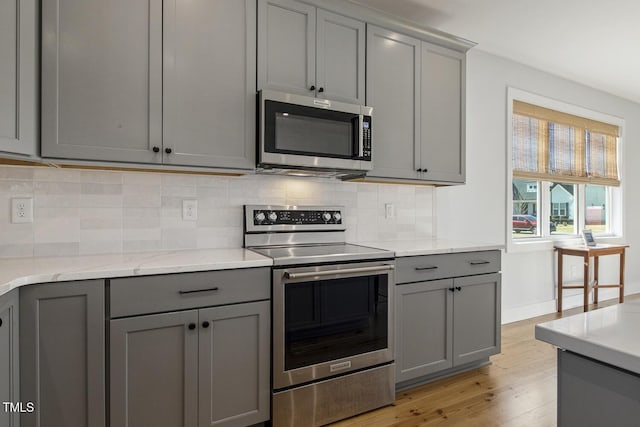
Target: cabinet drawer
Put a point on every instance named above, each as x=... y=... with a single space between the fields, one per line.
x=171 y=292
x=431 y=267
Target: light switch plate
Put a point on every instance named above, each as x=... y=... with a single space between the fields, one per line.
x=389 y=210
x=21 y=210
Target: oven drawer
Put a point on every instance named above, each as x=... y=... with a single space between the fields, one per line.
x=170 y=292
x=441 y=266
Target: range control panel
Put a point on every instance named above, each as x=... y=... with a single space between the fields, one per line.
x=283 y=218
x=296 y=217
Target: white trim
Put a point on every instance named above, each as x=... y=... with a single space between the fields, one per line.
x=546 y=242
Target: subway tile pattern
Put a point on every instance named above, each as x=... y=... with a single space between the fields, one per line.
x=84 y=212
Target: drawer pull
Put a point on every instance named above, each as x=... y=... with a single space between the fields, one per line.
x=198 y=290
x=431 y=267
x=479 y=262
x=458 y=288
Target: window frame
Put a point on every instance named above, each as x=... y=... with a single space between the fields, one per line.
x=615 y=201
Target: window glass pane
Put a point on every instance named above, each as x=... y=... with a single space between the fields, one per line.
x=562 y=209
x=525 y=208
x=595 y=216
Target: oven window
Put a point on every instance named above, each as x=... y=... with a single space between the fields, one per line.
x=331 y=319
x=308 y=131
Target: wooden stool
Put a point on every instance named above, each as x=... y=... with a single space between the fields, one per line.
x=586 y=252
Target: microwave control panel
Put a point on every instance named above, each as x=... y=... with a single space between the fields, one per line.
x=366 y=138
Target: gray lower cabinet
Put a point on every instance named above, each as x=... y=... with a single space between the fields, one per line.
x=18 y=76
x=417 y=91
x=164 y=81
x=9 y=360
x=310 y=51
x=62 y=348
x=206 y=363
x=445 y=323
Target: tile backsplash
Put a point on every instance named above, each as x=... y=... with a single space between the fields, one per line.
x=82 y=212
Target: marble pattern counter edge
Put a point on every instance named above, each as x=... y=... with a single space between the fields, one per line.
x=17 y=272
x=431 y=247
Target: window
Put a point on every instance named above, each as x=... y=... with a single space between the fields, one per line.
x=564 y=172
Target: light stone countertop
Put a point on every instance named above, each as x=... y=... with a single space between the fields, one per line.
x=16 y=272
x=609 y=334
x=430 y=247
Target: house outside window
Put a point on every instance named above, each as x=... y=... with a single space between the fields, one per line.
x=564 y=174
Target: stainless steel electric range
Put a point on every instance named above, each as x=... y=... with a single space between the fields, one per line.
x=332 y=312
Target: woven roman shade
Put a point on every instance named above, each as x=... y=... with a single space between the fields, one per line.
x=555 y=146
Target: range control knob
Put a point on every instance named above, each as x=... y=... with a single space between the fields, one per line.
x=337 y=216
x=273 y=216
x=260 y=216
x=326 y=216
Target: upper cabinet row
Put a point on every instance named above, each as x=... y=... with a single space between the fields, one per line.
x=174 y=82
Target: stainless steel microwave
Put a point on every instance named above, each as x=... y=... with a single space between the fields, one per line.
x=301 y=135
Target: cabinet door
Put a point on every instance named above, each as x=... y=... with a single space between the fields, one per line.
x=393 y=90
x=235 y=365
x=102 y=79
x=340 y=58
x=423 y=328
x=286 y=46
x=18 y=78
x=9 y=368
x=442 y=154
x=210 y=83
x=62 y=346
x=476 y=318
x=154 y=370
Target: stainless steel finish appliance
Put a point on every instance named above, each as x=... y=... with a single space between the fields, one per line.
x=332 y=315
x=301 y=135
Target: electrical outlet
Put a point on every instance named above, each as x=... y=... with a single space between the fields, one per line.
x=190 y=210
x=389 y=210
x=21 y=210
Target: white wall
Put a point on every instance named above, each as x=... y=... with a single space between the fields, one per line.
x=84 y=212
x=477 y=210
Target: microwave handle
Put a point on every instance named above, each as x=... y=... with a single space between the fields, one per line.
x=360 y=136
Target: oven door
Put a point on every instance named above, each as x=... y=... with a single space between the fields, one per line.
x=331 y=319
x=305 y=132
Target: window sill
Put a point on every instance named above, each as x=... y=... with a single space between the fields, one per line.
x=536 y=244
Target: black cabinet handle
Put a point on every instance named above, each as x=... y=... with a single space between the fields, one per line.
x=192 y=326
x=418 y=170
x=431 y=267
x=312 y=87
x=198 y=290
x=168 y=150
x=458 y=288
x=0 y=322
x=478 y=262
x=205 y=324
x=321 y=90
x=452 y=289
x=425 y=170
x=156 y=149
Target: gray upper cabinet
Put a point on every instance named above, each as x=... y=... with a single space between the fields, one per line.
x=62 y=348
x=393 y=90
x=9 y=358
x=310 y=51
x=442 y=141
x=102 y=80
x=417 y=91
x=18 y=76
x=209 y=83
x=149 y=82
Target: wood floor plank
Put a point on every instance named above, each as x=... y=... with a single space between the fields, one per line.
x=518 y=389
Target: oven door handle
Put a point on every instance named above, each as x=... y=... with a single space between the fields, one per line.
x=305 y=275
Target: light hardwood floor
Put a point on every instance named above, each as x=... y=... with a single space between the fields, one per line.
x=517 y=390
